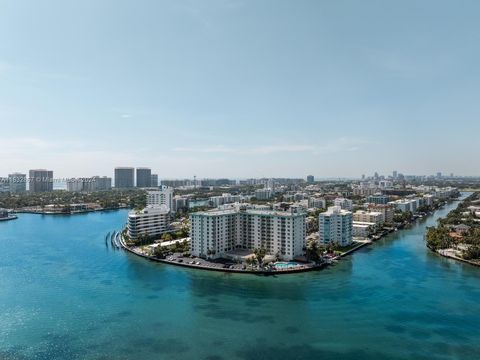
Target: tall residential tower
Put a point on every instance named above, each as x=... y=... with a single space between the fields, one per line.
x=124 y=177
x=40 y=180
x=144 y=177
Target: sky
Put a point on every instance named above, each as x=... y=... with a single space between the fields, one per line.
x=239 y=89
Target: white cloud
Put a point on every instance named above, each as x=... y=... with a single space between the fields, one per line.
x=343 y=144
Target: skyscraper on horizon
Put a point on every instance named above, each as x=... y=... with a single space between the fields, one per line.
x=17 y=182
x=124 y=177
x=154 y=180
x=40 y=180
x=144 y=177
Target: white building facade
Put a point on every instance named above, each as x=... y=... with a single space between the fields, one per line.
x=335 y=227
x=164 y=196
x=344 y=204
x=280 y=233
x=152 y=221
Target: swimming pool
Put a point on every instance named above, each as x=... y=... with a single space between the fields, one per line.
x=286 y=265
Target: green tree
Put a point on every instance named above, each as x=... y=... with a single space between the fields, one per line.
x=260 y=255
x=312 y=250
x=166 y=237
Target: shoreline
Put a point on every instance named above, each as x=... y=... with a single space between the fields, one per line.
x=446 y=255
x=316 y=267
x=453 y=257
x=10 y=217
x=67 y=213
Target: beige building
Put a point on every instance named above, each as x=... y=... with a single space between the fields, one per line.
x=369 y=217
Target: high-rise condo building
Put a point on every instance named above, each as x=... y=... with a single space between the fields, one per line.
x=101 y=183
x=335 y=227
x=216 y=233
x=17 y=182
x=94 y=183
x=40 y=180
x=4 y=185
x=144 y=177
x=124 y=177
x=164 y=196
x=154 y=180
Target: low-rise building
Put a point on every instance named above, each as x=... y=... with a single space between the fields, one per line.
x=368 y=217
x=363 y=229
x=406 y=205
x=378 y=199
x=216 y=201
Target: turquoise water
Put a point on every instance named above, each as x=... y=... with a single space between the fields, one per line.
x=64 y=295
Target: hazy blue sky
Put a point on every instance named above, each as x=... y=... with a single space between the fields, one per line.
x=240 y=88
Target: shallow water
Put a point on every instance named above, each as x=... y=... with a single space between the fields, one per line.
x=65 y=295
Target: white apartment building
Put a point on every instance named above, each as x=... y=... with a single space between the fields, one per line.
x=164 y=196
x=445 y=193
x=226 y=198
x=369 y=217
x=215 y=233
x=263 y=194
x=365 y=189
x=75 y=185
x=94 y=183
x=345 y=204
x=362 y=229
x=385 y=184
x=151 y=221
x=428 y=199
x=406 y=205
x=335 y=227
x=178 y=203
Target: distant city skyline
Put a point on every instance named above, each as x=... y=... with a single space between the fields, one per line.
x=239 y=89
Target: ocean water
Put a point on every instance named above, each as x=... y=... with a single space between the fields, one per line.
x=65 y=295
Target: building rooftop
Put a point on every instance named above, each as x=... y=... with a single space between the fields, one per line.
x=249 y=211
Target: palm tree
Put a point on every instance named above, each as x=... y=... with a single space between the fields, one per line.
x=312 y=250
x=260 y=255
